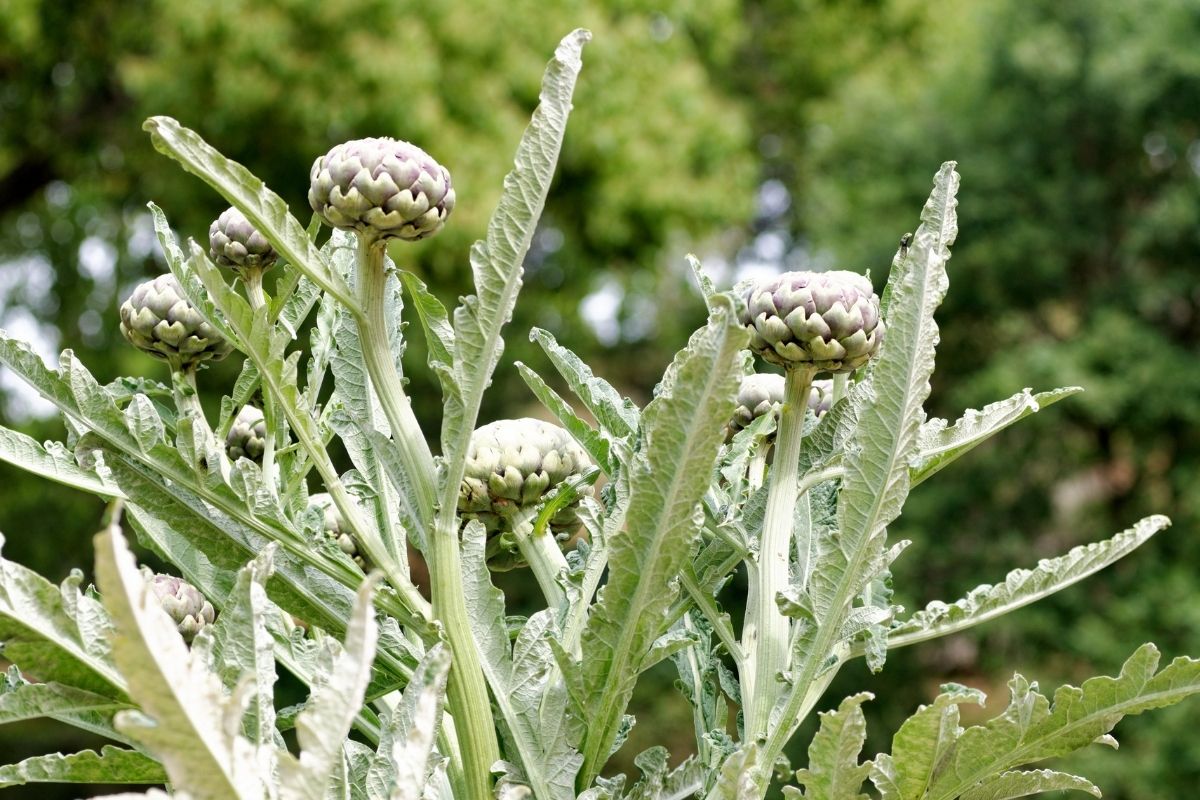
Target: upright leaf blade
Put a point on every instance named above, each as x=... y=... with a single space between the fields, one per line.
x=833 y=771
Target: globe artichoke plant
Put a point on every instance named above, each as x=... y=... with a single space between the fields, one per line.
x=236 y=244
x=384 y=188
x=247 y=437
x=512 y=465
x=452 y=696
x=159 y=320
x=826 y=320
x=184 y=603
x=761 y=393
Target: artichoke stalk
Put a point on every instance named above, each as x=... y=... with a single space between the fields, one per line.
x=809 y=323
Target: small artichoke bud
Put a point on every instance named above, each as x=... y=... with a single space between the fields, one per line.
x=828 y=321
x=820 y=397
x=336 y=529
x=511 y=465
x=382 y=188
x=760 y=394
x=248 y=436
x=158 y=320
x=234 y=243
x=183 y=603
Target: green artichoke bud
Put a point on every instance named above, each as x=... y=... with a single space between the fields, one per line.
x=158 y=319
x=183 y=603
x=336 y=529
x=825 y=320
x=760 y=394
x=248 y=436
x=384 y=188
x=234 y=243
x=511 y=465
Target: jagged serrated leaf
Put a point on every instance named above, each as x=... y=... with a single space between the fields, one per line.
x=322 y=727
x=418 y=717
x=1022 y=586
x=110 y=765
x=833 y=771
x=1032 y=729
x=939 y=443
x=1009 y=785
x=187 y=729
x=265 y=209
x=41 y=632
x=683 y=429
x=21 y=700
x=615 y=414
x=925 y=740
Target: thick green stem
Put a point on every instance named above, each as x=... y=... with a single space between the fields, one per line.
x=187 y=395
x=253 y=278
x=467 y=693
x=544 y=556
x=841 y=384
x=767 y=632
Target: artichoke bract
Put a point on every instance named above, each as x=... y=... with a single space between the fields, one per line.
x=511 y=465
x=247 y=437
x=184 y=603
x=335 y=528
x=383 y=188
x=820 y=397
x=827 y=321
x=158 y=320
x=234 y=243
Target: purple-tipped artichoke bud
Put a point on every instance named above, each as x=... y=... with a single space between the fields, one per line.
x=335 y=528
x=760 y=394
x=382 y=188
x=234 y=243
x=828 y=321
x=159 y=320
x=511 y=465
x=183 y=603
x=247 y=437
x=820 y=397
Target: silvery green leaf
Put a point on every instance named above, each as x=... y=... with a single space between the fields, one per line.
x=53 y=461
x=927 y=738
x=338 y=693
x=188 y=713
x=939 y=443
x=21 y=700
x=1021 y=586
x=616 y=415
x=833 y=771
x=876 y=478
x=1009 y=785
x=496 y=261
x=683 y=429
x=439 y=334
x=708 y=289
x=110 y=765
x=738 y=776
x=415 y=724
x=266 y=210
x=1032 y=729
x=518 y=676
x=594 y=442
x=44 y=632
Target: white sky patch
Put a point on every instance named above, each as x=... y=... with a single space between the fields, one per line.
x=599 y=311
x=97 y=260
x=21 y=401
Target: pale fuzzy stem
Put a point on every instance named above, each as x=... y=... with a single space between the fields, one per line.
x=544 y=557
x=467 y=693
x=187 y=396
x=253 y=278
x=841 y=383
x=766 y=633
x=756 y=472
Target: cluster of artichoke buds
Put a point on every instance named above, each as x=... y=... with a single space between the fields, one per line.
x=336 y=529
x=825 y=321
x=184 y=603
x=381 y=188
x=236 y=244
x=511 y=466
x=159 y=320
x=762 y=393
x=247 y=438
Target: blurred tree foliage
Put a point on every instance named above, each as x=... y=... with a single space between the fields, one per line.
x=1074 y=123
